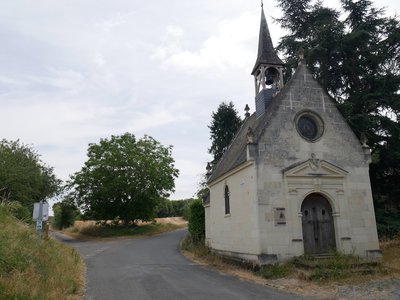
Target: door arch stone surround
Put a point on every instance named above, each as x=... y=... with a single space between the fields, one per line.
x=328 y=180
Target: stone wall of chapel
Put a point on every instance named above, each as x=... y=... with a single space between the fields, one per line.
x=352 y=207
x=277 y=239
x=282 y=146
x=236 y=232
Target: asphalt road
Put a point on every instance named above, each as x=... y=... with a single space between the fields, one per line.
x=153 y=268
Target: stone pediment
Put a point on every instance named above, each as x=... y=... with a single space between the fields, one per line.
x=314 y=168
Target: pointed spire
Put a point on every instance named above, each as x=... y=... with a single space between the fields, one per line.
x=266 y=52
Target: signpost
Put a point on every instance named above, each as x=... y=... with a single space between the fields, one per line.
x=44 y=210
x=39 y=226
x=40 y=214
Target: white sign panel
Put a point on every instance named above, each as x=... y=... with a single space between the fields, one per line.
x=45 y=211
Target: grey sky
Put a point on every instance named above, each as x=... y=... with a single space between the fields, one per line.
x=72 y=72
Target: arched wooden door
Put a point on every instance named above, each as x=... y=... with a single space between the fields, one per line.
x=317 y=223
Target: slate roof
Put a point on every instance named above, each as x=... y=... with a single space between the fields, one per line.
x=266 y=53
x=236 y=154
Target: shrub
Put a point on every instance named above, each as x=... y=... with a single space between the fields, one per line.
x=65 y=214
x=196 y=220
x=388 y=224
x=185 y=209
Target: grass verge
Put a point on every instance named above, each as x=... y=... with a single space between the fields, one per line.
x=106 y=231
x=196 y=248
x=336 y=268
x=339 y=268
x=36 y=269
x=276 y=271
x=197 y=251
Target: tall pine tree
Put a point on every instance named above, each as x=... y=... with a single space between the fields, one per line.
x=224 y=125
x=355 y=54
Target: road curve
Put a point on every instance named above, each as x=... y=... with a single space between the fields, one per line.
x=153 y=268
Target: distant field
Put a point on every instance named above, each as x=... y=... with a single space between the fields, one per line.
x=84 y=229
x=172 y=220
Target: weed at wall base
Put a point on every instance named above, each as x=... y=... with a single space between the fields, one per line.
x=275 y=271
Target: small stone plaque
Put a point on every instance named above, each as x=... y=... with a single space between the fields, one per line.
x=280 y=216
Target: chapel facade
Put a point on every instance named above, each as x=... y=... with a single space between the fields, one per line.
x=295 y=179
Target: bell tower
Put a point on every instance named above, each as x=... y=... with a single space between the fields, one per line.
x=268 y=69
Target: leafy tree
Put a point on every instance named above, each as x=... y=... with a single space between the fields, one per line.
x=124 y=178
x=65 y=213
x=23 y=176
x=182 y=207
x=388 y=224
x=355 y=54
x=196 y=225
x=202 y=188
x=164 y=209
x=172 y=208
x=224 y=125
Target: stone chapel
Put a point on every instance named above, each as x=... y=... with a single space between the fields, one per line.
x=295 y=178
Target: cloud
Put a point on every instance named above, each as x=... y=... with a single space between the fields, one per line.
x=154 y=119
x=72 y=74
x=115 y=20
x=189 y=170
x=98 y=59
x=230 y=47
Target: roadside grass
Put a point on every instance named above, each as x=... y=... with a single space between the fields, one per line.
x=36 y=269
x=335 y=268
x=91 y=229
x=276 y=271
x=338 y=267
x=197 y=248
x=199 y=252
x=391 y=254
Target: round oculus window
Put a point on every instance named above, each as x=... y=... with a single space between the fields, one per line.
x=309 y=126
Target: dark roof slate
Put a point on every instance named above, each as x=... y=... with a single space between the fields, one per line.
x=266 y=53
x=235 y=155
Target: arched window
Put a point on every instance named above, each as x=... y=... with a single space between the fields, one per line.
x=227 y=207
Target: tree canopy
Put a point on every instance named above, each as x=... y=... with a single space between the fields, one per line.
x=65 y=213
x=23 y=176
x=172 y=208
x=355 y=54
x=124 y=178
x=224 y=125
